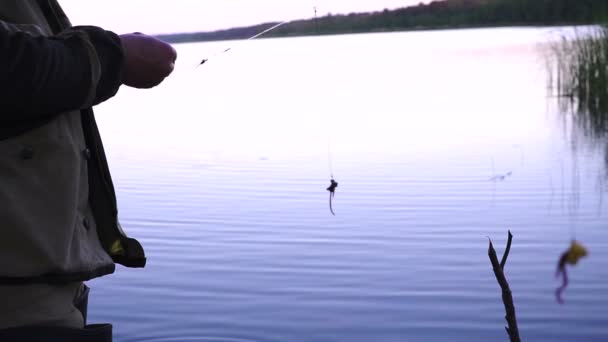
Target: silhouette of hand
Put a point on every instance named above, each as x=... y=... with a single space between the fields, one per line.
x=147 y=60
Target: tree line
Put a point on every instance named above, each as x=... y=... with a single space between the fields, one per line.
x=434 y=15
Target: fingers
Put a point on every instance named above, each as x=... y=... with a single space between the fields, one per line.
x=148 y=61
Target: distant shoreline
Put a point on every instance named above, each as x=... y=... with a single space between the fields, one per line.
x=185 y=38
x=437 y=15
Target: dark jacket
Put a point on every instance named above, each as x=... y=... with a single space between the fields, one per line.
x=52 y=197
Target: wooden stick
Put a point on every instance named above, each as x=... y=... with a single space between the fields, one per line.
x=507 y=298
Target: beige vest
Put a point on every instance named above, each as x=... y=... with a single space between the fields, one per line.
x=47 y=226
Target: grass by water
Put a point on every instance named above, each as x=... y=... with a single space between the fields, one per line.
x=579 y=78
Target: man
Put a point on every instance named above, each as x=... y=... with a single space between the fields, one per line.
x=58 y=215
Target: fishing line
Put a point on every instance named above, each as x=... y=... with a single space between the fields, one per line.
x=332 y=182
x=329 y=142
x=574 y=205
x=330 y=158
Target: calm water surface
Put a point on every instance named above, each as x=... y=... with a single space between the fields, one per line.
x=221 y=174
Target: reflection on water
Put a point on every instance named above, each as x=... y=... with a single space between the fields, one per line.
x=222 y=171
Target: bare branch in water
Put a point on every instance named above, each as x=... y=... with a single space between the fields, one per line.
x=507 y=297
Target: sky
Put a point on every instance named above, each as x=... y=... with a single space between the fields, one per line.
x=171 y=16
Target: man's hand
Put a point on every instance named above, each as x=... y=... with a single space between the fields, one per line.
x=147 y=60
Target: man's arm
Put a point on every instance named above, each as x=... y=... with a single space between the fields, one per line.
x=41 y=76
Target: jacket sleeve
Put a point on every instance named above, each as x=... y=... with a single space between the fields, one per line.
x=42 y=76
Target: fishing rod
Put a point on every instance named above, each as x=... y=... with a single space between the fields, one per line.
x=250 y=38
x=333 y=184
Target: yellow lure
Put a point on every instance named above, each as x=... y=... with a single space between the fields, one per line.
x=575 y=253
x=571 y=256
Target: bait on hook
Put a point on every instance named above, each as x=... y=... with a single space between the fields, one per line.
x=332 y=191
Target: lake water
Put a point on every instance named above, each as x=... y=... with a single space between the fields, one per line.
x=221 y=174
